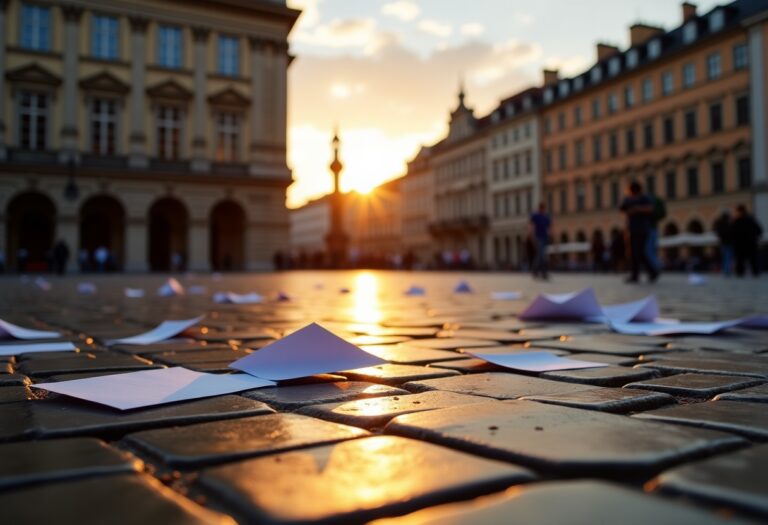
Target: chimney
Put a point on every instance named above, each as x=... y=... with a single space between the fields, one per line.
x=689 y=11
x=642 y=33
x=605 y=50
x=551 y=76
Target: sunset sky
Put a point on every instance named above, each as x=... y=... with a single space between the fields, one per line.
x=388 y=71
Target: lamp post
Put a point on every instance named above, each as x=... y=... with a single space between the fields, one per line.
x=336 y=240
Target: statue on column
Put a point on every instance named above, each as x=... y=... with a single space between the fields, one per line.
x=336 y=240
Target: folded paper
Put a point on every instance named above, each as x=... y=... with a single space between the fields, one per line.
x=644 y=311
x=535 y=361
x=161 y=332
x=415 y=291
x=10 y=330
x=134 y=293
x=575 y=306
x=86 y=288
x=305 y=352
x=506 y=296
x=236 y=298
x=170 y=288
x=757 y=322
x=153 y=387
x=462 y=287
x=29 y=348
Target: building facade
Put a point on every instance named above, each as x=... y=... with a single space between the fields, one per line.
x=681 y=111
x=418 y=208
x=156 y=129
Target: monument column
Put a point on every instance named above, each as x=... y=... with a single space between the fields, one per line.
x=69 y=132
x=337 y=240
x=138 y=137
x=200 y=160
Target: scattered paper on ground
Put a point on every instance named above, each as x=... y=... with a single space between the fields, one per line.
x=235 y=298
x=575 y=306
x=506 y=296
x=10 y=330
x=170 y=288
x=535 y=361
x=161 y=332
x=29 y=348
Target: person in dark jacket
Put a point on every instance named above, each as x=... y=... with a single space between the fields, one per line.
x=746 y=233
x=60 y=257
x=639 y=211
x=724 y=232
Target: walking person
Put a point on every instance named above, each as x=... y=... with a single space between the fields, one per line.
x=639 y=210
x=746 y=237
x=101 y=255
x=724 y=232
x=540 y=225
x=658 y=215
x=60 y=257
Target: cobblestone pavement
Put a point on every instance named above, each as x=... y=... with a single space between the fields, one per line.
x=673 y=431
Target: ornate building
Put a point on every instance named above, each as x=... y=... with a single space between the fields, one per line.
x=154 y=128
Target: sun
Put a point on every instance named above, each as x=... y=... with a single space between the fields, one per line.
x=364 y=186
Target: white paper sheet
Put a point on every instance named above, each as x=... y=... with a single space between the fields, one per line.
x=575 y=306
x=758 y=322
x=10 y=330
x=86 y=288
x=161 y=332
x=506 y=296
x=644 y=311
x=134 y=293
x=29 y=348
x=695 y=279
x=415 y=291
x=236 y=298
x=535 y=361
x=196 y=290
x=308 y=351
x=153 y=387
x=282 y=297
x=170 y=288
x=462 y=287
x=43 y=284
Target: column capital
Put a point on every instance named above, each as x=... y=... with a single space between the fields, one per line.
x=139 y=24
x=72 y=13
x=201 y=34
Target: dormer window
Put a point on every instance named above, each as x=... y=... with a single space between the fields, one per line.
x=632 y=58
x=689 y=32
x=596 y=75
x=578 y=83
x=527 y=103
x=495 y=117
x=654 y=48
x=564 y=88
x=510 y=109
x=614 y=66
x=548 y=95
x=716 y=20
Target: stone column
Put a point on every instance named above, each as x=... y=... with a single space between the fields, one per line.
x=68 y=230
x=280 y=101
x=138 y=137
x=200 y=160
x=136 y=245
x=69 y=132
x=3 y=38
x=199 y=250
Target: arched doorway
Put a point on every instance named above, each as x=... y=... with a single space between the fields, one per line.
x=102 y=224
x=227 y=236
x=168 y=223
x=31 y=226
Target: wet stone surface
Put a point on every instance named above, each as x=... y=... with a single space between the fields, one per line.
x=673 y=430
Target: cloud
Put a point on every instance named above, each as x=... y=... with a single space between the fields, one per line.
x=344 y=90
x=403 y=9
x=433 y=27
x=472 y=29
x=503 y=58
x=348 y=32
x=310 y=14
x=568 y=66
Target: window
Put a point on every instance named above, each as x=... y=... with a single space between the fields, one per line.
x=104 y=37
x=528 y=162
x=670 y=181
x=630 y=136
x=745 y=173
x=716 y=20
x=689 y=75
x=516 y=163
x=597 y=190
x=742 y=110
x=632 y=58
x=564 y=88
x=648 y=135
x=561 y=121
x=548 y=161
x=579 y=152
x=715 y=117
x=596 y=108
x=692 y=177
x=563 y=200
x=647 y=90
x=718 y=177
x=654 y=48
x=597 y=144
x=714 y=66
x=577 y=116
x=35 y=27
x=562 y=156
x=227 y=133
x=740 y=57
x=548 y=95
x=690 y=124
x=669 y=129
x=169 y=47
x=578 y=83
x=667 y=83
x=580 y=197
x=614 y=193
x=103 y=126
x=629 y=97
x=505 y=168
x=596 y=75
x=168 y=132
x=613 y=144
x=33 y=121
x=689 y=32
x=229 y=55
x=614 y=66
x=650 y=184
x=613 y=103
x=547 y=126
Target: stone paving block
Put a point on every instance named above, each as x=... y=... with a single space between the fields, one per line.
x=250 y=335
x=354 y=481
x=738 y=480
x=593 y=345
x=14 y=380
x=294 y=397
x=160 y=348
x=62 y=416
x=6 y=367
x=468 y=365
x=500 y=336
x=202 y=356
x=562 y=440
x=748 y=419
x=722 y=342
x=499 y=385
x=60 y=459
x=606 y=376
x=757 y=394
x=46 y=367
x=80 y=353
x=444 y=343
x=377 y=339
x=708 y=366
x=703 y=386
x=128 y=499
x=393 y=374
x=219 y=441
x=14 y=394
x=598 y=358
x=410 y=355
x=568 y=502
x=614 y=400
x=376 y=412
